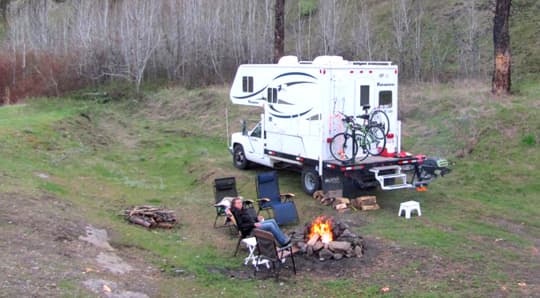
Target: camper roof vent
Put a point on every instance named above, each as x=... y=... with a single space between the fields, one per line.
x=288 y=60
x=329 y=60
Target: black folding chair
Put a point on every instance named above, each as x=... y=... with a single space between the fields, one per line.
x=223 y=187
x=267 y=249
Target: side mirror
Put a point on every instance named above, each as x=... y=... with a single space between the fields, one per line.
x=244 y=127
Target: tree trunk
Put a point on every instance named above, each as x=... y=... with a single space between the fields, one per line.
x=279 y=30
x=501 y=41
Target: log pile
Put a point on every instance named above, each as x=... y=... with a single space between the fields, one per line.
x=342 y=204
x=151 y=217
x=345 y=244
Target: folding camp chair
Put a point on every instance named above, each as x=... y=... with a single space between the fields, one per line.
x=223 y=187
x=267 y=249
x=242 y=234
x=269 y=198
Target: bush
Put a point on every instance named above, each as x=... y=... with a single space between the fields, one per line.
x=42 y=74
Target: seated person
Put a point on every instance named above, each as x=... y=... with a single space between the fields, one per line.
x=247 y=222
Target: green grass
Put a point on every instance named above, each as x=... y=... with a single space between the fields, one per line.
x=166 y=150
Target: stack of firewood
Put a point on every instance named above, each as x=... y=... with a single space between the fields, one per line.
x=151 y=217
x=344 y=204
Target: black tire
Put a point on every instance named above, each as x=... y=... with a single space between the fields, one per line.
x=343 y=147
x=380 y=118
x=239 y=158
x=311 y=182
x=374 y=143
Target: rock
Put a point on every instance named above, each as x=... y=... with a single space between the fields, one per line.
x=347 y=233
x=309 y=250
x=339 y=246
x=326 y=254
x=358 y=251
x=338 y=256
x=301 y=245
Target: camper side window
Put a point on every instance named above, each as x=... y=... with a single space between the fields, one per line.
x=247 y=84
x=272 y=95
x=385 y=98
x=364 y=95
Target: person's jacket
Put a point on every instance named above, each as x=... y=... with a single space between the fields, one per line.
x=245 y=219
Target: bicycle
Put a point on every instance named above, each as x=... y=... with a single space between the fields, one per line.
x=379 y=117
x=371 y=138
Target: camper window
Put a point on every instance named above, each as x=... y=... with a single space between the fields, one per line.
x=385 y=98
x=272 y=95
x=247 y=84
x=364 y=95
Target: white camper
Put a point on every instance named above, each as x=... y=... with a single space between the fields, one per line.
x=303 y=103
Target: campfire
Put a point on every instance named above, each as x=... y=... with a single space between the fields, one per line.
x=326 y=238
x=321 y=228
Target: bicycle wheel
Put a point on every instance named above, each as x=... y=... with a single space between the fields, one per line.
x=343 y=147
x=373 y=143
x=361 y=151
x=379 y=118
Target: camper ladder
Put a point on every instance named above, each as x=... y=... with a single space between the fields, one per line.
x=392 y=178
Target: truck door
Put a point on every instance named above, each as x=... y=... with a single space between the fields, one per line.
x=256 y=140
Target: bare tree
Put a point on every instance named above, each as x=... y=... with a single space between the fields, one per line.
x=501 y=41
x=279 y=30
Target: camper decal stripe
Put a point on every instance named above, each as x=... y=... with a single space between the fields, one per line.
x=280 y=76
x=250 y=95
x=295 y=74
x=274 y=109
x=299 y=82
x=292 y=116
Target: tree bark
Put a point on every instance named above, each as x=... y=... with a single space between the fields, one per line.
x=501 y=41
x=279 y=30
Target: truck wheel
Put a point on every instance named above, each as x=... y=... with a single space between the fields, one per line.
x=239 y=158
x=311 y=182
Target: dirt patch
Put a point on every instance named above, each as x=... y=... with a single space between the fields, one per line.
x=43 y=255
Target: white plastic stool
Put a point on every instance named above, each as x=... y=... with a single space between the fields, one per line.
x=409 y=207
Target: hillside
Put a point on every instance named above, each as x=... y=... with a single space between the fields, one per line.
x=80 y=160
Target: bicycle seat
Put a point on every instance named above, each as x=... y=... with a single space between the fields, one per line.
x=365 y=116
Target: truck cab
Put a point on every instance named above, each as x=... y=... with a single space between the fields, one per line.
x=248 y=146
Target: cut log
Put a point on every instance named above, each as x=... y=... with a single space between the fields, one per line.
x=318 y=195
x=327 y=201
x=357 y=203
x=139 y=221
x=339 y=246
x=371 y=207
x=342 y=200
x=318 y=246
x=340 y=206
x=368 y=200
x=312 y=240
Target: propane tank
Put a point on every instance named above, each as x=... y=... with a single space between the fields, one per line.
x=390 y=149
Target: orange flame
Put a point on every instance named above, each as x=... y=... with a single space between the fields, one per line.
x=322 y=226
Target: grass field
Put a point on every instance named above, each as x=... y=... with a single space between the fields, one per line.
x=479 y=234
